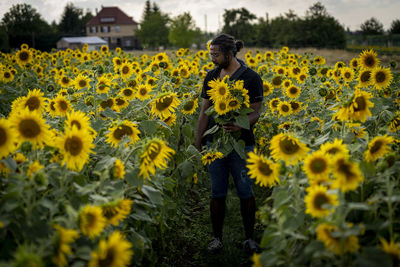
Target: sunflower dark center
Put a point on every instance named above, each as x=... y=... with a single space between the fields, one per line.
x=288 y=146
x=107 y=103
x=233 y=103
x=380 y=77
x=369 y=61
x=125 y=70
x=29 y=128
x=164 y=103
x=110 y=258
x=294 y=105
x=222 y=105
x=3 y=136
x=120 y=101
x=345 y=168
x=76 y=123
x=189 y=105
x=52 y=103
x=277 y=80
x=24 y=56
x=143 y=91
x=127 y=92
x=376 y=147
x=222 y=90
x=150 y=81
x=319 y=200
x=32 y=103
x=7 y=75
x=109 y=212
x=63 y=105
x=155 y=149
x=285 y=108
x=293 y=90
x=266 y=88
x=264 y=168
x=318 y=165
x=275 y=103
x=361 y=104
x=296 y=71
x=333 y=150
x=121 y=131
x=347 y=75
x=82 y=83
x=73 y=145
x=102 y=86
x=365 y=76
x=324 y=71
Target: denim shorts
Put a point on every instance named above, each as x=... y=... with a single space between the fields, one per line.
x=233 y=164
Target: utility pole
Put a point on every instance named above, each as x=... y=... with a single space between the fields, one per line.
x=205 y=23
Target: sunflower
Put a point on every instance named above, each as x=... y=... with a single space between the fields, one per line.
x=219 y=90
x=155 y=154
x=75 y=148
x=126 y=70
x=320 y=122
x=119 y=169
x=114 y=252
x=164 y=105
x=381 y=77
x=274 y=103
x=355 y=63
x=116 y=211
x=117 y=63
x=233 y=104
x=143 y=91
x=364 y=78
x=393 y=249
x=301 y=78
x=347 y=174
x=335 y=148
x=293 y=91
x=103 y=85
x=286 y=84
x=30 y=126
x=7 y=138
x=65 y=81
x=80 y=121
x=318 y=60
x=284 y=108
x=262 y=169
x=6 y=76
x=378 y=147
x=287 y=148
x=210 y=157
x=184 y=72
x=316 y=166
x=81 y=81
x=109 y=103
x=61 y=105
x=34 y=101
x=190 y=106
x=347 y=74
x=104 y=49
x=368 y=59
x=63 y=239
x=33 y=168
x=359 y=108
x=317 y=201
x=24 y=57
x=267 y=88
x=325 y=235
x=394 y=124
x=221 y=107
x=119 y=130
x=170 y=120
x=91 y=221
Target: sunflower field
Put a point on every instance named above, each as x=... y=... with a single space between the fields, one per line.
x=97 y=156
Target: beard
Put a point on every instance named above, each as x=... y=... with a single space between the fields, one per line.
x=224 y=64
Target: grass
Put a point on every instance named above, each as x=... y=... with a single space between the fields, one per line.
x=189 y=237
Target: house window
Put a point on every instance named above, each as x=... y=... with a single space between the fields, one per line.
x=128 y=43
x=105 y=28
x=107 y=19
x=117 y=29
x=93 y=29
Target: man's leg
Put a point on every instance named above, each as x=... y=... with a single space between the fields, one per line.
x=248 y=211
x=217 y=211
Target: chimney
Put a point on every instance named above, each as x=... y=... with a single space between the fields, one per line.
x=96 y=10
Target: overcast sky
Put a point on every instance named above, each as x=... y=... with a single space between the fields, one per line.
x=349 y=13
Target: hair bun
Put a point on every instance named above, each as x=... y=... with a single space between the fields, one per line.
x=239 y=45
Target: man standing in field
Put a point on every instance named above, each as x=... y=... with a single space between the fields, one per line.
x=223 y=51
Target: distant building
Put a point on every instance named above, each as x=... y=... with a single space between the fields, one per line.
x=114 y=26
x=93 y=42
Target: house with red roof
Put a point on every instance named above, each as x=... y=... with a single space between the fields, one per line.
x=115 y=27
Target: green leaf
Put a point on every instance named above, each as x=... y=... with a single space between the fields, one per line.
x=322 y=139
x=243 y=121
x=358 y=206
x=104 y=163
x=154 y=195
x=10 y=163
x=239 y=148
x=212 y=130
x=148 y=128
x=133 y=178
x=109 y=113
x=280 y=197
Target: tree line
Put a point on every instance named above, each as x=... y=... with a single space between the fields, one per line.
x=317 y=28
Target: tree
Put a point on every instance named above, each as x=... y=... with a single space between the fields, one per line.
x=4 y=47
x=237 y=22
x=153 y=31
x=372 y=27
x=73 y=20
x=183 y=31
x=395 y=27
x=24 y=24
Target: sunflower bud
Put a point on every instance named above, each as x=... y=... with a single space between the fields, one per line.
x=282 y=169
x=313 y=71
x=106 y=63
x=162 y=65
x=323 y=79
x=323 y=92
x=313 y=80
x=50 y=88
x=70 y=91
x=40 y=179
x=393 y=64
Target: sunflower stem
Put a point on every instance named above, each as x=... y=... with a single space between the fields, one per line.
x=390 y=208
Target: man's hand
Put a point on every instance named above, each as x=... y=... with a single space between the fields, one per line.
x=231 y=127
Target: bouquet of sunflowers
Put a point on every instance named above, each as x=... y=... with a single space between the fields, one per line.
x=231 y=105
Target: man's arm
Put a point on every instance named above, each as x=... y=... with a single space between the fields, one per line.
x=202 y=123
x=253 y=118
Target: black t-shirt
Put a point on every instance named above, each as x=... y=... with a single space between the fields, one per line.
x=252 y=83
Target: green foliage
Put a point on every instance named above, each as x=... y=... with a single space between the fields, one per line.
x=395 y=27
x=4 y=47
x=183 y=31
x=153 y=31
x=237 y=22
x=73 y=21
x=372 y=27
